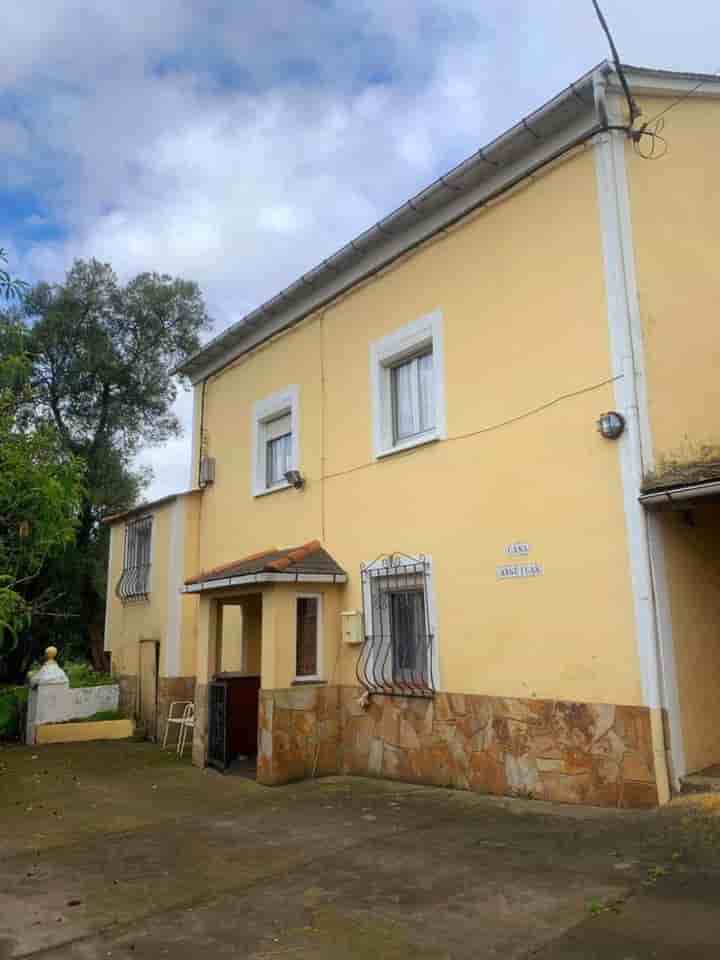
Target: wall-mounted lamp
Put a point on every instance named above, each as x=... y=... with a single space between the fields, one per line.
x=295 y=479
x=611 y=424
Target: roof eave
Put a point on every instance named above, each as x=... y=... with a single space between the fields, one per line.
x=436 y=206
x=150 y=506
x=249 y=579
x=561 y=118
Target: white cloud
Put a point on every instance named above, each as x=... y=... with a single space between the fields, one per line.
x=238 y=144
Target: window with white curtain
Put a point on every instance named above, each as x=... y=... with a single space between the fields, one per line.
x=413 y=397
x=278 y=450
x=408 y=392
x=275 y=441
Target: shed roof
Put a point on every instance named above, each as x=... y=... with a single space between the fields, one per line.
x=149 y=506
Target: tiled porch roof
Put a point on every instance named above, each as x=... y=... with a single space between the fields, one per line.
x=309 y=563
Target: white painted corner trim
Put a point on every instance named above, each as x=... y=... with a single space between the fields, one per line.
x=390 y=350
x=652 y=624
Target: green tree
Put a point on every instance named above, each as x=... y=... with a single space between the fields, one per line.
x=10 y=287
x=40 y=489
x=101 y=359
x=40 y=499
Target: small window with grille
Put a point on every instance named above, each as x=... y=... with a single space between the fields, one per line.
x=307 y=638
x=134 y=582
x=398 y=656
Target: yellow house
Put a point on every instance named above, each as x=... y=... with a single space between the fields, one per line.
x=453 y=491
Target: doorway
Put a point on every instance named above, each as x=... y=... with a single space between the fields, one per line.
x=148 y=687
x=234 y=691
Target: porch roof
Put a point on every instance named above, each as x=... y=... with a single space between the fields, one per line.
x=308 y=563
x=681 y=496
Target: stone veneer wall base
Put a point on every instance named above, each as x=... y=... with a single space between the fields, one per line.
x=561 y=751
x=128 y=685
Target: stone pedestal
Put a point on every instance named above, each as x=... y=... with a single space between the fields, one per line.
x=49 y=695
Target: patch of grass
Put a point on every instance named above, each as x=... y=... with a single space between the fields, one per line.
x=100 y=715
x=81 y=674
x=595 y=907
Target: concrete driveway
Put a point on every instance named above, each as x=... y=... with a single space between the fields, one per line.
x=116 y=850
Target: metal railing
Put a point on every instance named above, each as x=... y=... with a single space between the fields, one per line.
x=397 y=657
x=134 y=582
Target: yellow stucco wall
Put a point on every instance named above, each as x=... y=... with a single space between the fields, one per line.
x=130 y=622
x=82 y=732
x=675 y=207
x=231 y=658
x=521 y=291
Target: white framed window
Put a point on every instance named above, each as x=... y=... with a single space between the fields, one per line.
x=275 y=441
x=408 y=390
x=308 y=636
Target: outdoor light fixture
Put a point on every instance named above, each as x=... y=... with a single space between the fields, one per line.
x=611 y=424
x=295 y=479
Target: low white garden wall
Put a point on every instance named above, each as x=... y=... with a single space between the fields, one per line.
x=52 y=701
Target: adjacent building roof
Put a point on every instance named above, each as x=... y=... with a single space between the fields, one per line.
x=567 y=121
x=309 y=563
x=148 y=507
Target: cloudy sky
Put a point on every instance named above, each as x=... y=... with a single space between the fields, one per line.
x=238 y=143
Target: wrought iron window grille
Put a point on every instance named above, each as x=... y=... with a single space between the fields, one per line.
x=134 y=582
x=397 y=657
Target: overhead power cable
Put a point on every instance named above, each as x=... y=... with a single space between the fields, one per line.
x=632 y=105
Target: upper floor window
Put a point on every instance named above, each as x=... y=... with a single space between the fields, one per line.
x=134 y=582
x=413 y=397
x=278 y=450
x=275 y=441
x=408 y=392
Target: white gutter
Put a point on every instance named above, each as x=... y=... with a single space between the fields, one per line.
x=655 y=661
x=513 y=156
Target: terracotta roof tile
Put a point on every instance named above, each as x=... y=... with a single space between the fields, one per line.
x=308 y=558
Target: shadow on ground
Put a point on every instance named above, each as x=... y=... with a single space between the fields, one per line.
x=117 y=850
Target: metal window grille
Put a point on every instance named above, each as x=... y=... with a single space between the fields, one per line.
x=397 y=656
x=218 y=741
x=134 y=583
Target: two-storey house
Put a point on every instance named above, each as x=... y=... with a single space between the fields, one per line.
x=453 y=506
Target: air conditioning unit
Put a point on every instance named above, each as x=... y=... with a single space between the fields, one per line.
x=207 y=471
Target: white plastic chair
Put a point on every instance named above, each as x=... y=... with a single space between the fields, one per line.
x=187 y=723
x=176 y=718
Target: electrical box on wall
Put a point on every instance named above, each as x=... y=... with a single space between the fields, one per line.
x=352 y=626
x=207 y=471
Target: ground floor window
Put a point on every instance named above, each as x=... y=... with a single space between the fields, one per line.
x=398 y=656
x=307 y=634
